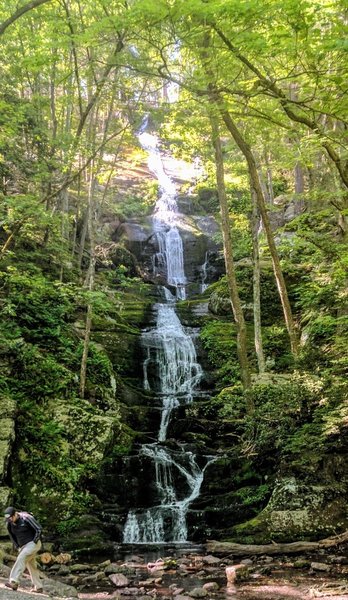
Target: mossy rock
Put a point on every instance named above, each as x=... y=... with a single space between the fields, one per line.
x=7 y=407
x=7 y=432
x=91 y=430
x=297 y=511
x=87 y=538
x=5 y=500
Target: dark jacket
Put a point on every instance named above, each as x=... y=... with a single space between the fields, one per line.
x=25 y=529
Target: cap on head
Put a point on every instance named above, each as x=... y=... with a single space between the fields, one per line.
x=9 y=512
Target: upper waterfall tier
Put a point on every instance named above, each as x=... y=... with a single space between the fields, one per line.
x=169 y=260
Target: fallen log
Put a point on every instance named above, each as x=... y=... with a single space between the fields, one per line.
x=216 y=547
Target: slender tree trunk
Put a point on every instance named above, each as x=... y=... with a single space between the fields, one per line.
x=299 y=179
x=89 y=284
x=77 y=216
x=255 y=224
x=74 y=54
x=229 y=262
x=255 y=183
x=269 y=179
x=64 y=214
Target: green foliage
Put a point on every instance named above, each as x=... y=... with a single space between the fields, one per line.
x=295 y=421
x=277 y=411
x=232 y=403
x=317 y=262
x=100 y=375
x=219 y=340
x=39 y=372
x=137 y=205
x=67 y=526
x=254 y=496
x=276 y=348
x=42 y=450
x=22 y=143
x=38 y=307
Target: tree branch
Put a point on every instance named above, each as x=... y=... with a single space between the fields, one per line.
x=19 y=12
x=288 y=105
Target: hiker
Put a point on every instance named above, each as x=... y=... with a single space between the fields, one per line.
x=25 y=533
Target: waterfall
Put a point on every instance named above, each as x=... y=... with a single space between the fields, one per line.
x=169 y=260
x=203 y=271
x=172 y=371
x=173 y=353
x=167 y=521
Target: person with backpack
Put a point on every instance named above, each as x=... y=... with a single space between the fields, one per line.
x=25 y=533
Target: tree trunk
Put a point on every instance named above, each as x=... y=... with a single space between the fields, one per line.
x=269 y=179
x=229 y=262
x=255 y=183
x=299 y=179
x=89 y=284
x=64 y=208
x=255 y=224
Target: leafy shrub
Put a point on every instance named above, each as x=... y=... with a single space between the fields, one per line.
x=39 y=308
x=254 y=495
x=38 y=373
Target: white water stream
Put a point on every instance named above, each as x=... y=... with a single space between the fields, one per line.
x=171 y=355
x=170 y=255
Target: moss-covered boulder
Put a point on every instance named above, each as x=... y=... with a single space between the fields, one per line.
x=90 y=430
x=297 y=510
x=58 y=476
x=84 y=536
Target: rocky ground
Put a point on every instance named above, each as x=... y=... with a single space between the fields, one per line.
x=188 y=577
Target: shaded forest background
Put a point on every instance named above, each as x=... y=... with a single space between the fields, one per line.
x=254 y=94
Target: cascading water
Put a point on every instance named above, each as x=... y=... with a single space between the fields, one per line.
x=203 y=270
x=172 y=371
x=169 y=260
x=172 y=350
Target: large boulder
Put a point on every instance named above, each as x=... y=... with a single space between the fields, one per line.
x=5 y=500
x=298 y=510
x=91 y=431
x=286 y=208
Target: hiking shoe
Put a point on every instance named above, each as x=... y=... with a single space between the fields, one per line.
x=12 y=585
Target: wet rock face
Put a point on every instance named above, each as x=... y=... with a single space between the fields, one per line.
x=197 y=234
x=135 y=236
